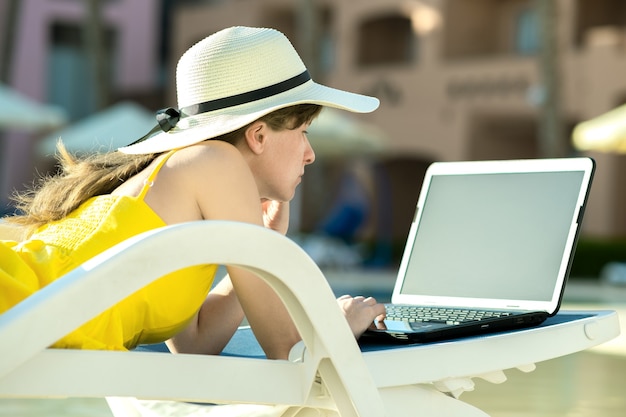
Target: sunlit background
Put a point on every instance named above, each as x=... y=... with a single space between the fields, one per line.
x=457 y=80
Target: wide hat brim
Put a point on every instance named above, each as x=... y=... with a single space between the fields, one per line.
x=194 y=129
x=232 y=78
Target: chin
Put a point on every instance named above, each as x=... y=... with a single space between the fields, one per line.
x=288 y=196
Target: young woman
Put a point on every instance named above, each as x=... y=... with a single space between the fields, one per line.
x=235 y=149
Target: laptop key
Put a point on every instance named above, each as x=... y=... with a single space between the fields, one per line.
x=439 y=315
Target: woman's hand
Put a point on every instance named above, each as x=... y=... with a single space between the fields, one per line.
x=276 y=215
x=360 y=312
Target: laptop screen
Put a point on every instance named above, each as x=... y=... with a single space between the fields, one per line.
x=501 y=236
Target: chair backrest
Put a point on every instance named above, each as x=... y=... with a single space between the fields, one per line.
x=113 y=275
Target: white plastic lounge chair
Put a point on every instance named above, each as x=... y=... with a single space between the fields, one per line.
x=328 y=375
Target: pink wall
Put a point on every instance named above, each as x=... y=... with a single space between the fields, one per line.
x=138 y=33
x=134 y=20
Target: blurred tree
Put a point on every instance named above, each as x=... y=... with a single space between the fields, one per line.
x=8 y=28
x=308 y=35
x=551 y=139
x=94 y=43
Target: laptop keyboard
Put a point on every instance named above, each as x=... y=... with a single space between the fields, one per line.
x=415 y=314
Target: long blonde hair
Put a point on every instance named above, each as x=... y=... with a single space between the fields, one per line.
x=55 y=196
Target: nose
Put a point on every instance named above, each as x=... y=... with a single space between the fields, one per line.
x=309 y=153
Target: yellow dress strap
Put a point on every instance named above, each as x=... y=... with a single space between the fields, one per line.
x=149 y=182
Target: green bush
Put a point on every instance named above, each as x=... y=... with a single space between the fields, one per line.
x=592 y=254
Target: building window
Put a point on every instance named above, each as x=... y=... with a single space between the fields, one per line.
x=70 y=75
x=527 y=32
x=486 y=28
x=385 y=40
x=599 y=14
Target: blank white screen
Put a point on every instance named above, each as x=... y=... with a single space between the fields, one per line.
x=499 y=236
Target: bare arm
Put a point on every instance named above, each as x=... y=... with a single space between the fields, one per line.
x=224 y=189
x=214 y=324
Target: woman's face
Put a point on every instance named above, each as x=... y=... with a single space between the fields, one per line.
x=280 y=167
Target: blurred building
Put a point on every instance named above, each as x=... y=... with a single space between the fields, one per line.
x=79 y=55
x=457 y=79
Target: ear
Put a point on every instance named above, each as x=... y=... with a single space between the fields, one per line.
x=256 y=136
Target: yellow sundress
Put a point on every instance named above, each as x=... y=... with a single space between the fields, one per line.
x=152 y=314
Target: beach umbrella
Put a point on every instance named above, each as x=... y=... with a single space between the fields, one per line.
x=20 y=113
x=606 y=132
x=333 y=133
x=337 y=133
x=116 y=126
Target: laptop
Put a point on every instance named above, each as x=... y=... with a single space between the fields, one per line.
x=492 y=243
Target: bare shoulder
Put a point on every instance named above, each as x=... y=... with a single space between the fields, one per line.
x=206 y=155
x=211 y=163
x=219 y=179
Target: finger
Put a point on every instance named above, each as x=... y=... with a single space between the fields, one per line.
x=379 y=310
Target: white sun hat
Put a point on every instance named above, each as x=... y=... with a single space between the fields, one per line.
x=231 y=79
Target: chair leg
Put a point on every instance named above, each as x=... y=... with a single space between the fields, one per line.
x=424 y=400
x=309 y=412
x=122 y=407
